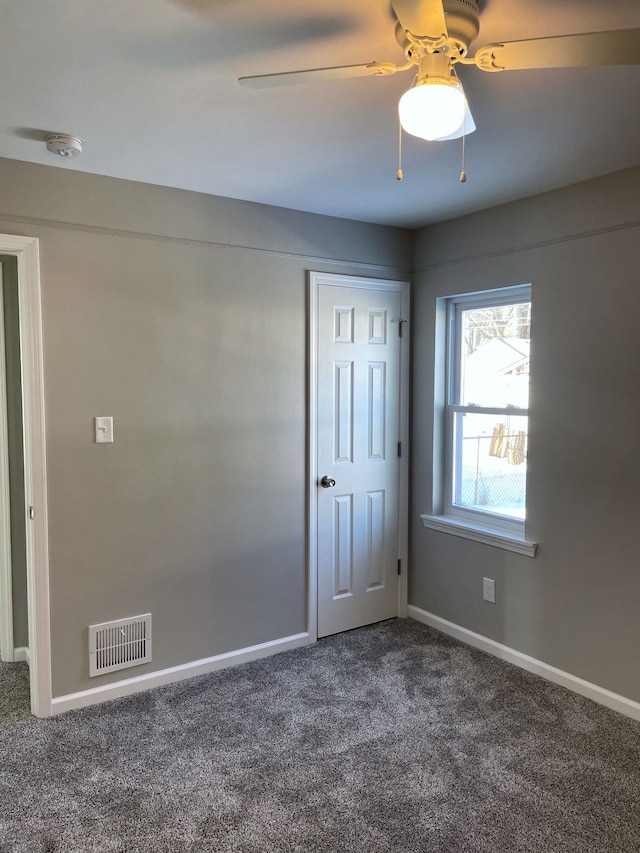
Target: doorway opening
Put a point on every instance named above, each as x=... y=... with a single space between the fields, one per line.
x=14 y=674
x=13 y=562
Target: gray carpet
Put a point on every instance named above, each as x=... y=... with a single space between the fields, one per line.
x=14 y=692
x=390 y=738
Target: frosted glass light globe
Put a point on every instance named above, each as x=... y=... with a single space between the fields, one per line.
x=432 y=109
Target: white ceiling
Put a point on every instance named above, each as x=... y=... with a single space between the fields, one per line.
x=150 y=85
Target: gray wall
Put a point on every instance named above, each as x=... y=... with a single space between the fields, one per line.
x=16 y=454
x=184 y=317
x=575 y=606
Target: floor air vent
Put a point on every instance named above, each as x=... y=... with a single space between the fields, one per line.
x=119 y=644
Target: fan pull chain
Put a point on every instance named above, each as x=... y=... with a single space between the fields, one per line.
x=399 y=173
x=463 y=174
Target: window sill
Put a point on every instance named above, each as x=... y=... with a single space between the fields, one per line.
x=479 y=533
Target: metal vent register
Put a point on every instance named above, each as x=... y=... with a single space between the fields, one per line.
x=119 y=644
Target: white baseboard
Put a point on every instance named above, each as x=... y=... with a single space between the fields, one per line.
x=615 y=701
x=21 y=654
x=118 y=689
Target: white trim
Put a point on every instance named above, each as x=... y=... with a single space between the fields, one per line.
x=316 y=279
x=7 y=653
x=26 y=251
x=403 y=494
x=118 y=689
x=451 y=427
x=312 y=461
x=21 y=655
x=615 y=701
x=488 y=536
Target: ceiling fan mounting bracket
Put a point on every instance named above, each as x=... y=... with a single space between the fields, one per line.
x=463 y=25
x=434 y=66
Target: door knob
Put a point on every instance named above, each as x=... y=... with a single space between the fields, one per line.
x=327 y=482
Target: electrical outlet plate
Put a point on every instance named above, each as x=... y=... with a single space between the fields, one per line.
x=489 y=590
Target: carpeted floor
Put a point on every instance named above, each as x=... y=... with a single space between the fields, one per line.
x=386 y=739
x=14 y=693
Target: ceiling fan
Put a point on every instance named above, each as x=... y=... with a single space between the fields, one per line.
x=435 y=36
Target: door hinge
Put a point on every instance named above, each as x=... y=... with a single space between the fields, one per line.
x=401 y=326
x=399 y=449
x=399 y=567
x=32 y=513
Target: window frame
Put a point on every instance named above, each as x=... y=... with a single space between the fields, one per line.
x=450 y=462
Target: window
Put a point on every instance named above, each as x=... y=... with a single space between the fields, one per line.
x=486 y=408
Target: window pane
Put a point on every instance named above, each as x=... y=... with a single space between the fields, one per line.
x=494 y=357
x=491 y=470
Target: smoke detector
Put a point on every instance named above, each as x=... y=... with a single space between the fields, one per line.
x=63 y=144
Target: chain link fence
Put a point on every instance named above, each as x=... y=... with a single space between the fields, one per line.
x=494 y=471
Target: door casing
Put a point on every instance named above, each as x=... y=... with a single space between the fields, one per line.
x=26 y=252
x=6 y=583
x=316 y=281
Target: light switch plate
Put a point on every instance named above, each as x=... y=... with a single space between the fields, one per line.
x=104 y=430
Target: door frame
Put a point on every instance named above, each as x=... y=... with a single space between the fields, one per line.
x=316 y=281
x=26 y=252
x=7 y=646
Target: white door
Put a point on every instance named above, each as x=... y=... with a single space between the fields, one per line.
x=358 y=430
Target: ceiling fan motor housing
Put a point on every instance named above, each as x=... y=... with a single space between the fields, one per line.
x=463 y=25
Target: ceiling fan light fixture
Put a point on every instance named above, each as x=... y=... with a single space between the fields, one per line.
x=468 y=125
x=433 y=109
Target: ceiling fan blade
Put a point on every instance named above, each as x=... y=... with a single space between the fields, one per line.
x=615 y=47
x=289 y=78
x=422 y=18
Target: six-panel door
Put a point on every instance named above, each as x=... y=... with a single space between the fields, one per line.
x=358 y=430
